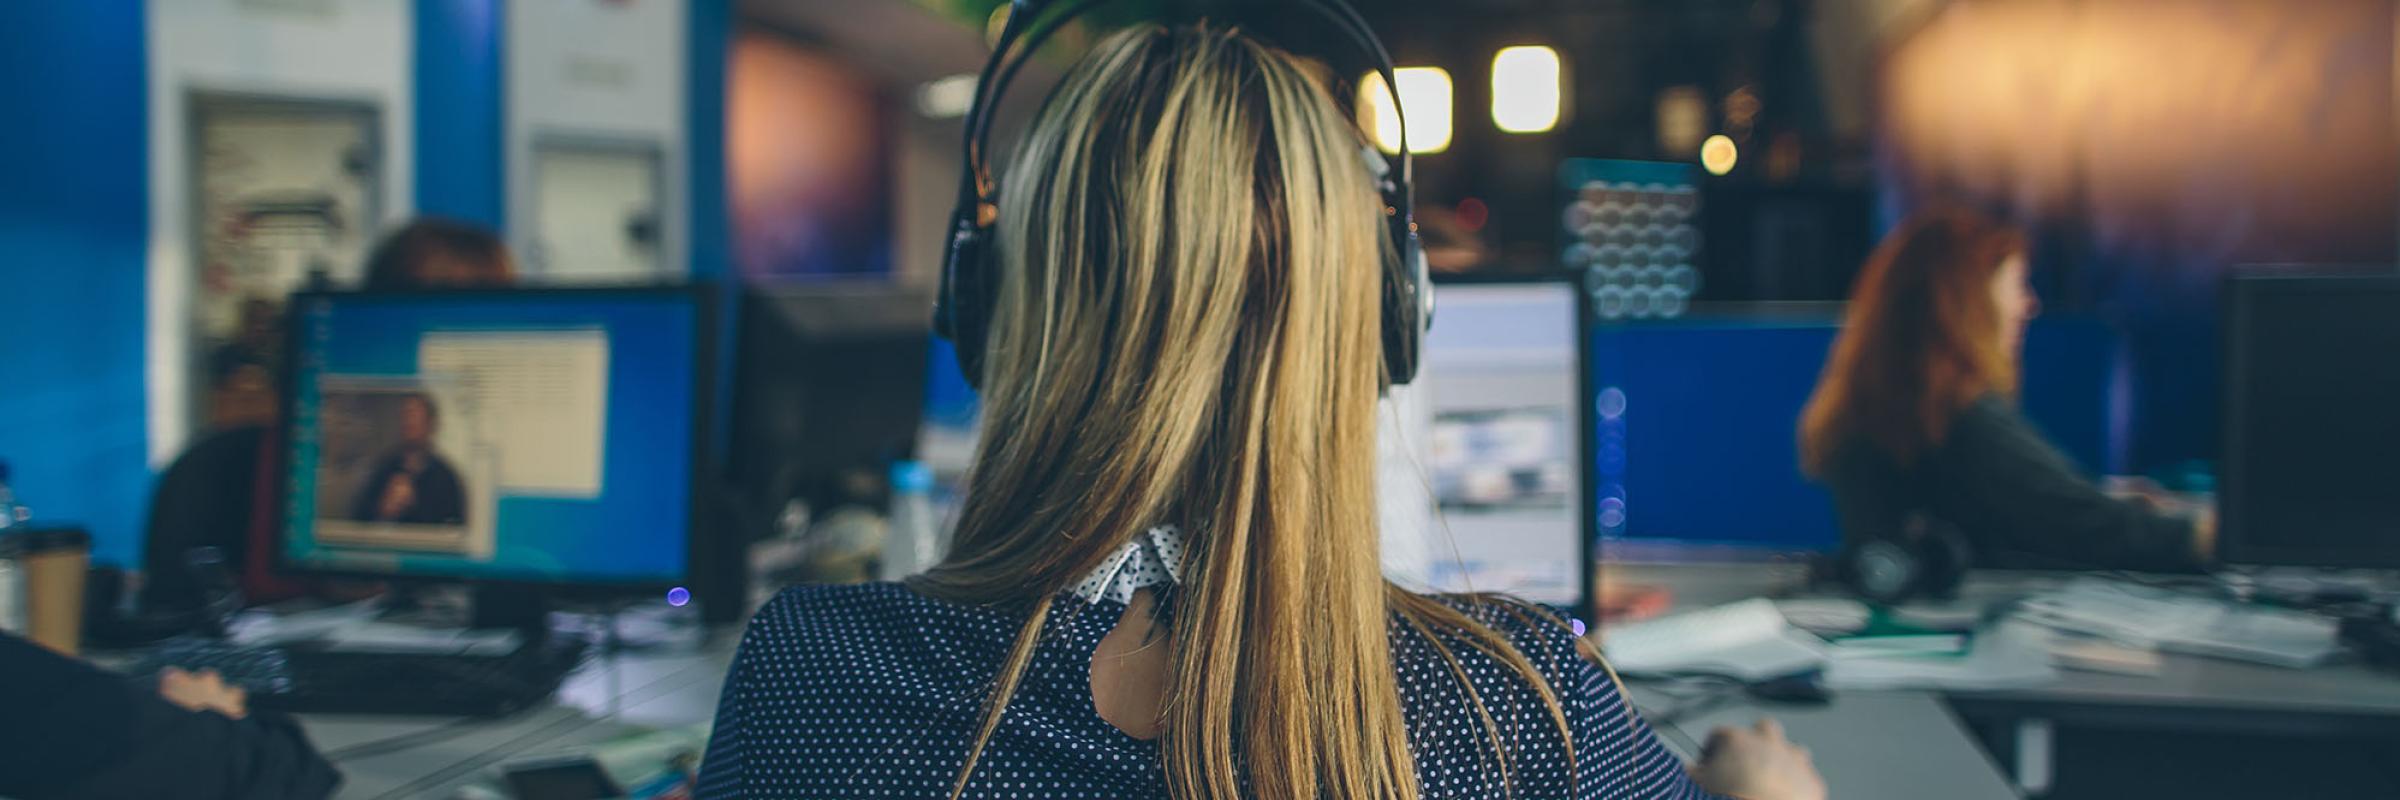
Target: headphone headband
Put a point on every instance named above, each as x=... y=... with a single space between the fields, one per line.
x=977 y=185
x=963 y=311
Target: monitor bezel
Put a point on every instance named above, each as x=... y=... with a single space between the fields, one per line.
x=700 y=296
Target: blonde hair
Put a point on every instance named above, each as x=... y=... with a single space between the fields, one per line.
x=1186 y=333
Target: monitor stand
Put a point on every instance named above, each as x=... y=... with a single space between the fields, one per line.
x=522 y=608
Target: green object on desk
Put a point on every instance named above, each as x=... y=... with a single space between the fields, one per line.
x=1887 y=636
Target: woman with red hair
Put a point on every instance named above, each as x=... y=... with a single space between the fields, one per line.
x=1916 y=414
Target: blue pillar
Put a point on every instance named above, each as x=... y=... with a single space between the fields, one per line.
x=74 y=233
x=461 y=88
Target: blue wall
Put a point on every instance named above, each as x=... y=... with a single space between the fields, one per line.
x=460 y=91
x=74 y=223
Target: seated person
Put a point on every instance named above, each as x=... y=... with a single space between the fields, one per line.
x=1916 y=413
x=413 y=484
x=1165 y=580
x=78 y=731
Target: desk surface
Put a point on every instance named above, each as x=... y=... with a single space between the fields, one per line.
x=1869 y=745
x=604 y=700
x=2188 y=691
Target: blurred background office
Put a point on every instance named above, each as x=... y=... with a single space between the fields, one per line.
x=1645 y=214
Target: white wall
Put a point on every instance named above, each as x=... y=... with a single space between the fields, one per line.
x=318 y=49
x=596 y=70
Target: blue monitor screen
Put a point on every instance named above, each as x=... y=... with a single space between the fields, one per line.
x=1695 y=424
x=541 y=436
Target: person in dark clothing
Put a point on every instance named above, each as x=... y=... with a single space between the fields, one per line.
x=84 y=732
x=1916 y=414
x=413 y=484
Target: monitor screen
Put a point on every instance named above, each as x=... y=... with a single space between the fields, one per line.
x=1495 y=408
x=1695 y=426
x=1695 y=452
x=536 y=436
x=2312 y=415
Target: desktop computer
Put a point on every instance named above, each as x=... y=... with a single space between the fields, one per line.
x=1693 y=452
x=830 y=388
x=1694 y=426
x=1487 y=495
x=1540 y=427
x=2311 y=409
x=546 y=441
x=546 y=437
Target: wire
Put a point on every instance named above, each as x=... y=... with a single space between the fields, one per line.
x=394 y=744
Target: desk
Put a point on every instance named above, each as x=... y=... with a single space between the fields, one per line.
x=2189 y=694
x=1869 y=745
x=645 y=691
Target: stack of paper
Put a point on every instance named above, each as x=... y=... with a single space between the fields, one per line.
x=2160 y=619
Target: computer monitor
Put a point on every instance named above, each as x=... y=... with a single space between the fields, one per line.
x=829 y=387
x=546 y=437
x=1494 y=418
x=1694 y=421
x=2311 y=473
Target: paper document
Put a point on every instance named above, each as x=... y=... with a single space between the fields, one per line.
x=1749 y=641
x=2161 y=619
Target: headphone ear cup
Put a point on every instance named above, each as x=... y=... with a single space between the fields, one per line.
x=1947 y=556
x=1407 y=308
x=962 y=313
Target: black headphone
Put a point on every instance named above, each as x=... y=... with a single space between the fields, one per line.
x=1926 y=557
x=963 y=311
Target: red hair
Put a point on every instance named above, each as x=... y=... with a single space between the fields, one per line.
x=1921 y=340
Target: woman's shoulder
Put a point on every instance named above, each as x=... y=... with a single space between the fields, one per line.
x=1547 y=637
x=1566 y=735
x=870 y=616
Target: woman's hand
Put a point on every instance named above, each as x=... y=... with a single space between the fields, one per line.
x=1757 y=763
x=205 y=691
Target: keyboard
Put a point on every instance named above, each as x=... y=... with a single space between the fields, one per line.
x=301 y=679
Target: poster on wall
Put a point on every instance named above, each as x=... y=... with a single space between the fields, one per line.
x=596 y=210
x=283 y=189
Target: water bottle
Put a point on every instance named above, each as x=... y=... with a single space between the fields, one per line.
x=12 y=515
x=908 y=544
x=13 y=617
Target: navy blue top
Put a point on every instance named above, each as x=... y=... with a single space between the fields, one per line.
x=873 y=691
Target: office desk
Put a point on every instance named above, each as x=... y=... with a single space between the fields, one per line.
x=600 y=702
x=2340 y=698
x=1870 y=745
x=2190 y=693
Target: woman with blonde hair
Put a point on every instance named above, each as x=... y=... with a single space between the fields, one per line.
x=1165 y=579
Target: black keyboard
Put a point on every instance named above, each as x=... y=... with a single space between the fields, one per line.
x=303 y=679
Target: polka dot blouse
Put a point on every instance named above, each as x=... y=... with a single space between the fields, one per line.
x=873 y=691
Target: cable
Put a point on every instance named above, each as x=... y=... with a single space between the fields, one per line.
x=394 y=744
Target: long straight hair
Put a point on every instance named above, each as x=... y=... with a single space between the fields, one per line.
x=1186 y=334
x=1921 y=340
